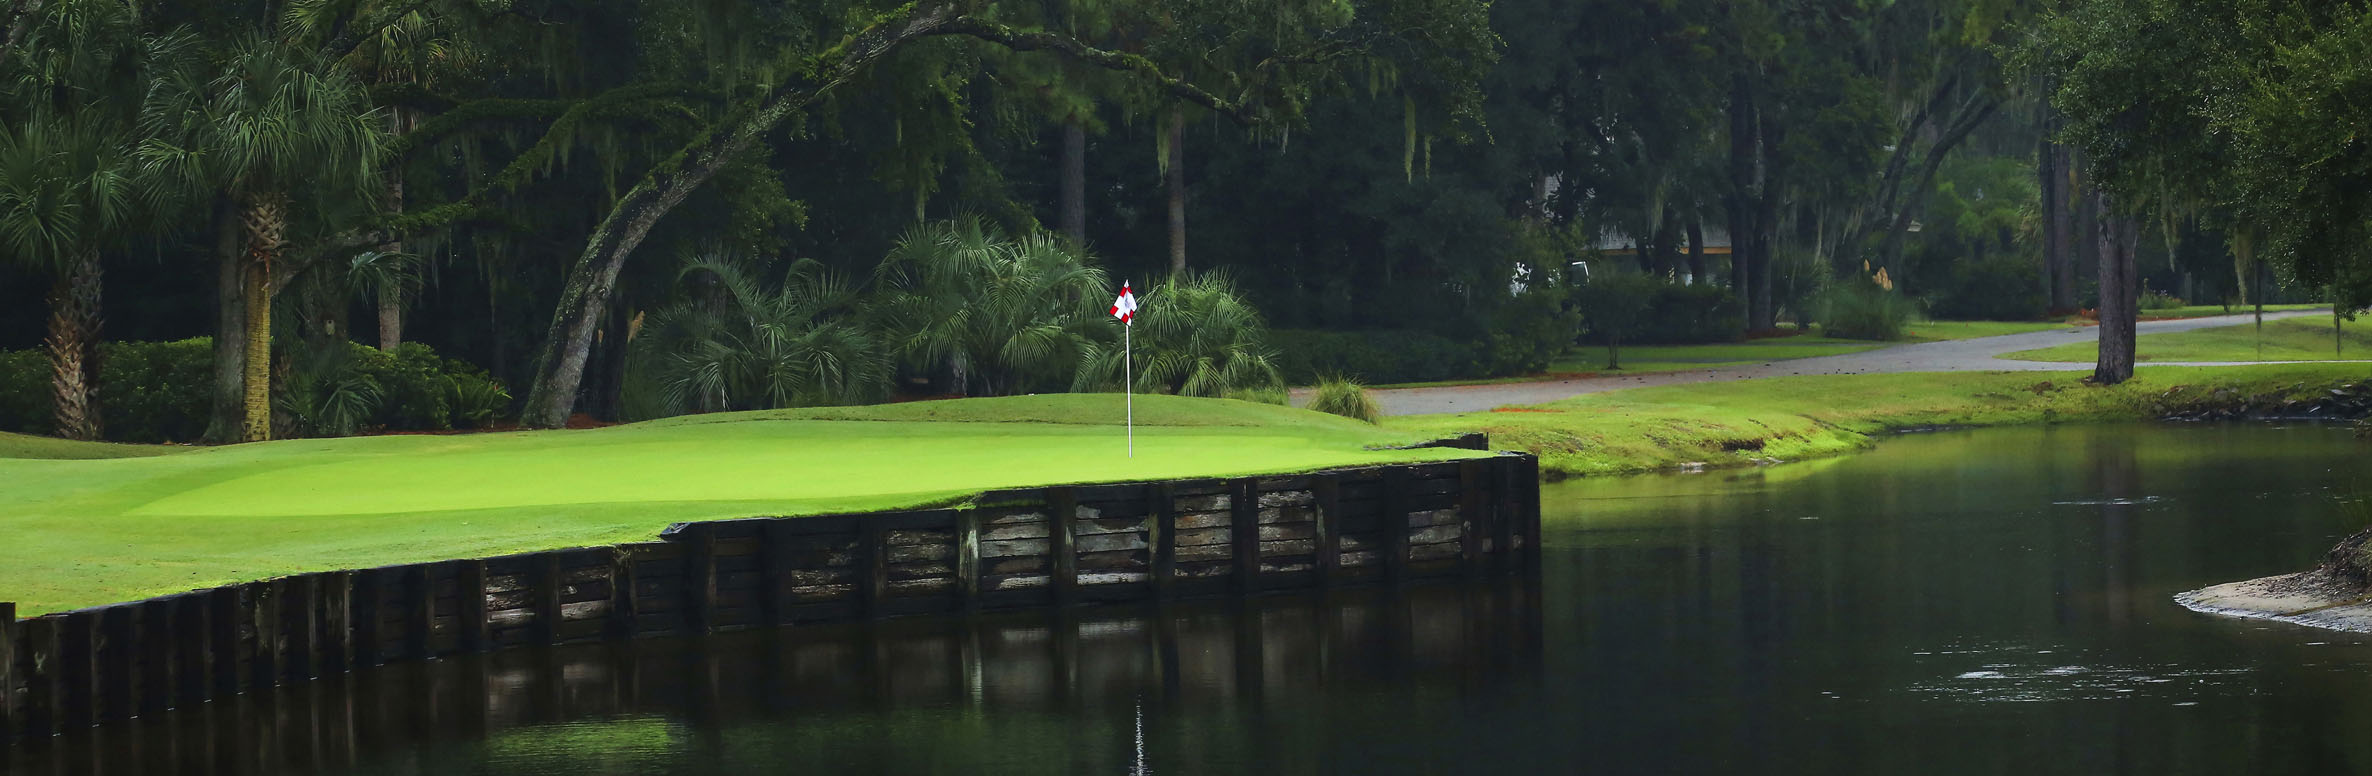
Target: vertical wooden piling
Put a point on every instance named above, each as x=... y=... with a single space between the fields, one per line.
x=1506 y=488
x=194 y=646
x=156 y=646
x=1062 y=517
x=1395 y=523
x=78 y=669
x=775 y=565
x=370 y=587
x=45 y=686
x=967 y=558
x=222 y=626
x=1243 y=525
x=420 y=612
x=470 y=620
x=11 y=717
x=304 y=627
x=700 y=578
x=1163 y=497
x=625 y=611
x=263 y=609
x=337 y=622
x=1326 y=489
x=1526 y=497
x=1472 y=503
x=546 y=585
x=872 y=565
x=116 y=661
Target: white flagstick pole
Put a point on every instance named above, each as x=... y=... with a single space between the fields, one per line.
x=1128 y=370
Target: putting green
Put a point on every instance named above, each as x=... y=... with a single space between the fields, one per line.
x=85 y=532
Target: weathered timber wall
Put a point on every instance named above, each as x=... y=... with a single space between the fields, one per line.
x=1041 y=547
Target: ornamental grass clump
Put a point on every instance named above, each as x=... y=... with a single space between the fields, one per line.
x=1339 y=396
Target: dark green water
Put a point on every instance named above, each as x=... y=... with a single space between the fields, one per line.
x=1964 y=602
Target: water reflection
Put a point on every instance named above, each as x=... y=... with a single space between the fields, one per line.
x=901 y=696
x=1953 y=603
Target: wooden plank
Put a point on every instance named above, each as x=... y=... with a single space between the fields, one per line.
x=1243 y=526
x=304 y=626
x=1326 y=487
x=546 y=586
x=11 y=716
x=1503 y=513
x=625 y=609
x=1473 y=501
x=700 y=588
x=45 y=686
x=156 y=648
x=263 y=610
x=1395 y=524
x=195 y=632
x=222 y=626
x=1527 y=501
x=420 y=612
x=369 y=640
x=472 y=614
x=78 y=670
x=117 y=659
x=1062 y=517
x=337 y=622
x=775 y=564
x=1164 y=527
x=874 y=583
x=967 y=558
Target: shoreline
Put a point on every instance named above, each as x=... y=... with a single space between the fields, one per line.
x=2308 y=598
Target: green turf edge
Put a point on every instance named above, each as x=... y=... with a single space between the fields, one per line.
x=1756 y=422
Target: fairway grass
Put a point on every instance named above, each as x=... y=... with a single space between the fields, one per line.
x=85 y=532
x=2292 y=339
x=1748 y=422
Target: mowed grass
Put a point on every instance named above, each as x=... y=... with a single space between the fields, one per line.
x=2210 y=310
x=2293 y=339
x=1753 y=421
x=1640 y=359
x=84 y=530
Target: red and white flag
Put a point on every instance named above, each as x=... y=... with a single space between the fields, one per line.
x=1125 y=308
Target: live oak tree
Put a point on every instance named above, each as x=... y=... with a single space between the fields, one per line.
x=1442 y=33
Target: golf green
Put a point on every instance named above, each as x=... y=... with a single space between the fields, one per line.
x=86 y=532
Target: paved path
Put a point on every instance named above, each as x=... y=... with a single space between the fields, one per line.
x=1968 y=355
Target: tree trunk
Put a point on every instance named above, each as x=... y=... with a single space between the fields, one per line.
x=1912 y=199
x=1771 y=135
x=2049 y=184
x=2062 y=228
x=391 y=295
x=1696 y=251
x=1741 y=202
x=265 y=219
x=230 y=346
x=74 y=349
x=1177 y=187
x=2119 y=296
x=1074 y=182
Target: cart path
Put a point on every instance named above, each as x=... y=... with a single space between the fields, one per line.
x=1967 y=355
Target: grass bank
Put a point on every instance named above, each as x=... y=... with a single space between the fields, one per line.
x=97 y=524
x=2293 y=339
x=1754 y=421
x=2207 y=310
x=1642 y=359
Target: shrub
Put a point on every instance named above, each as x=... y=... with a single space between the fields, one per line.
x=741 y=345
x=999 y=315
x=1271 y=395
x=1857 y=310
x=1527 y=332
x=161 y=391
x=1679 y=314
x=2158 y=300
x=2004 y=288
x=148 y=391
x=1615 y=305
x=1339 y=396
x=1380 y=356
x=1194 y=337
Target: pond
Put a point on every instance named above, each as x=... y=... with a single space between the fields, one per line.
x=1955 y=602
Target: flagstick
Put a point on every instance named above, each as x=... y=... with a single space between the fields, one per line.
x=1128 y=369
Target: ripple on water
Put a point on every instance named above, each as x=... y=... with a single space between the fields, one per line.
x=2028 y=675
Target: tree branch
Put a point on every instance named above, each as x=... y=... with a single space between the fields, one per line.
x=1031 y=40
x=345 y=38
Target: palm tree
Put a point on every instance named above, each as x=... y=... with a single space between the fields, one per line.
x=1194 y=337
x=741 y=345
x=273 y=122
x=70 y=185
x=1009 y=315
